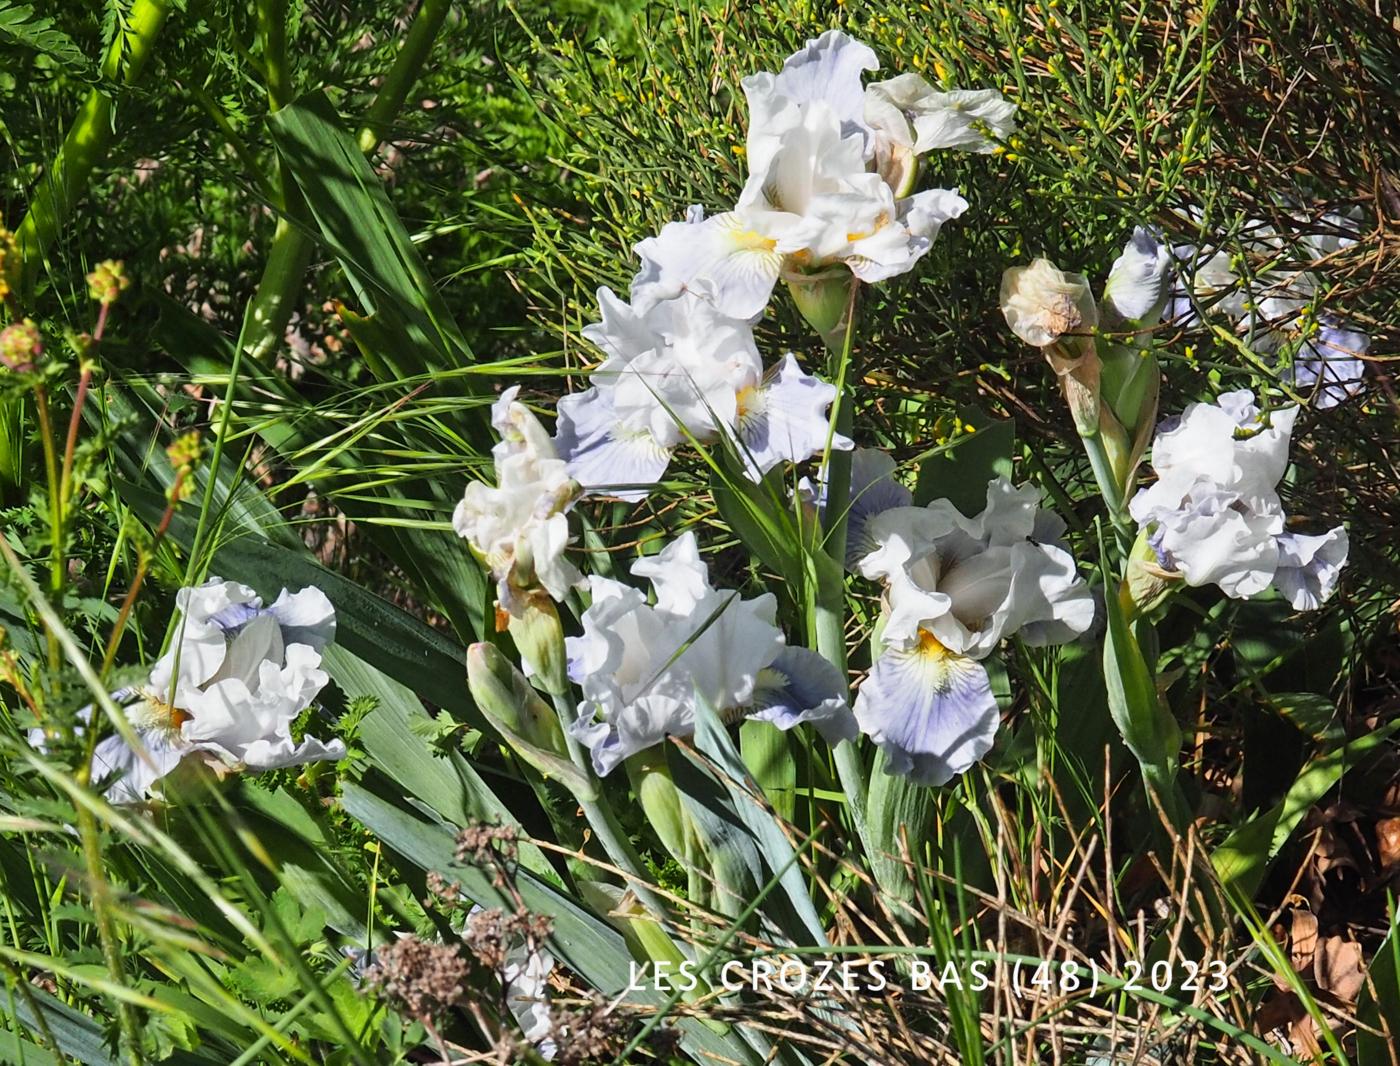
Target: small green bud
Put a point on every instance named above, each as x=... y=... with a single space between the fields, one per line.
x=661 y=803
x=526 y=723
x=824 y=300
x=1131 y=380
x=1148 y=583
x=539 y=636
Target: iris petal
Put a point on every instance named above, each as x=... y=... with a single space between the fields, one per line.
x=599 y=460
x=931 y=712
x=787 y=420
x=800 y=686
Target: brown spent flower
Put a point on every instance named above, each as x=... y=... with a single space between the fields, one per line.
x=420 y=978
x=489 y=934
x=442 y=890
x=596 y=1034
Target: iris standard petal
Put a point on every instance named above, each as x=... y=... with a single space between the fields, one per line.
x=874 y=490
x=786 y=419
x=1139 y=281
x=306 y=617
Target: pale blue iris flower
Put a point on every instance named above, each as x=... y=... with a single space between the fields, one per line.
x=677 y=371
x=955 y=588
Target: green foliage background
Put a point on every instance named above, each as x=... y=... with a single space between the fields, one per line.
x=533 y=146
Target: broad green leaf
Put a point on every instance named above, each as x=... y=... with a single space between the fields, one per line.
x=960 y=470
x=746 y=800
x=897 y=808
x=357 y=222
x=307 y=858
x=447 y=784
x=728 y=862
x=767 y=752
x=767 y=530
x=1147 y=728
x=1383 y=1003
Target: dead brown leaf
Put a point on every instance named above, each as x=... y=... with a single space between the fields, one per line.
x=1338 y=968
x=1388 y=844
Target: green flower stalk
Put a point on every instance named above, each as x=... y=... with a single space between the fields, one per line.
x=88 y=139
x=828 y=303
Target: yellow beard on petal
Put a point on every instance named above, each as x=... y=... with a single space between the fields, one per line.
x=941 y=666
x=931 y=646
x=154 y=712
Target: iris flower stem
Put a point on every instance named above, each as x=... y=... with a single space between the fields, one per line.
x=603 y=822
x=56 y=567
x=1111 y=493
x=289 y=254
x=831 y=601
x=88 y=139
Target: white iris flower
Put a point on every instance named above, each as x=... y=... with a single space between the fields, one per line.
x=681 y=370
x=909 y=117
x=955 y=588
x=520 y=527
x=640 y=665
x=815 y=197
x=874 y=489
x=1331 y=363
x=1274 y=303
x=1214 y=514
x=1137 y=287
x=227 y=692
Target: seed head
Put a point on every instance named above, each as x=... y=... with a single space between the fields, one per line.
x=20 y=345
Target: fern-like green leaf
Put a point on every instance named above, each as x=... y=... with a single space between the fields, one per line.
x=20 y=24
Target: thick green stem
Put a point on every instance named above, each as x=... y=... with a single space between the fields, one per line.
x=289 y=255
x=87 y=142
x=830 y=622
x=610 y=834
x=397 y=83
x=277 y=74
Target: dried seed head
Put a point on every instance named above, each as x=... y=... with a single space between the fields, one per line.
x=483 y=844
x=593 y=1034
x=490 y=934
x=442 y=890
x=420 y=978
